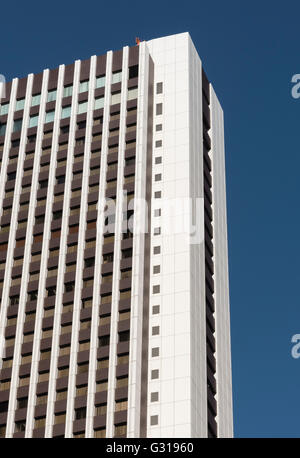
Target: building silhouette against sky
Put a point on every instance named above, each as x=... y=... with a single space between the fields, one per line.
x=114 y=317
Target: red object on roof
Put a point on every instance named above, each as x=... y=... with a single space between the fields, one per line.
x=137 y=40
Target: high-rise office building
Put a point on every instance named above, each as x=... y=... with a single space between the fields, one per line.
x=114 y=318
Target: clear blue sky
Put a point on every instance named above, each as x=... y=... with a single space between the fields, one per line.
x=250 y=51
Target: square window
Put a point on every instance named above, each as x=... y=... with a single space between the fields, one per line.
x=155 y=309
x=80 y=413
x=133 y=71
x=90 y=262
x=154 y=396
x=157 y=231
x=22 y=403
x=39 y=219
x=31 y=139
x=155 y=330
x=43 y=184
x=154 y=353
x=157 y=177
x=156 y=250
x=11 y=176
x=158 y=160
x=60 y=179
x=158 y=143
x=154 y=420
x=20 y=426
x=159 y=88
x=158 y=109
x=81 y=125
x=157 y=212
x=156 y=289
x=57 y=214
x=156 y=269
x=158 y=127
x=154 y=373
x=64 y=129
x=157 y=195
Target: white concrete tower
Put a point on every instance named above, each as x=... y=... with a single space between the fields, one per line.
x=114 y=314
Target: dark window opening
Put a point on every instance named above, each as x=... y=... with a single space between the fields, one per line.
x=3 y=406
x=61 y=179
x=20 y=426
x=22 y=403
x=51 y=291
x=108 y=258
x=159 y=88
x=130 y=161
x=64 y=129
x=11 y=176
x=33 y=295
x=15 y=143
x=69 y=287
x=81 y=125
x=124 y=336
x=90 y=262
x=14 y=300
x=17 y=125
x=31 y=139
x=80 y=413
x=43 y=184
x=127 y=253
x=39 y=219
x=103 y=341
x=133 y=71
x=57 y=215
x=2 y=128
